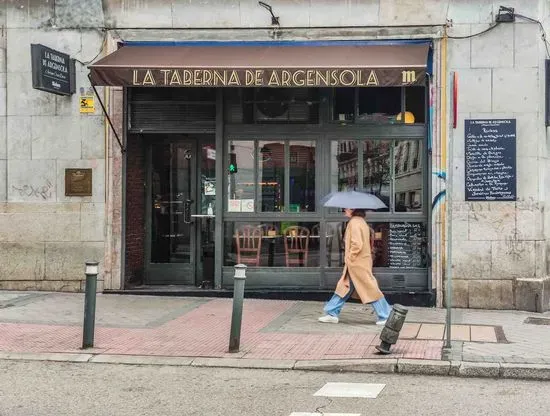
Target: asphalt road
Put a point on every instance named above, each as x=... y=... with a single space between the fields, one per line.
x=63 y=389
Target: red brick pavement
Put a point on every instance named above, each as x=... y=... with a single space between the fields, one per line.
x=204 y=332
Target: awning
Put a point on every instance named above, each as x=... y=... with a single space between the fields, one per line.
x=263 y=66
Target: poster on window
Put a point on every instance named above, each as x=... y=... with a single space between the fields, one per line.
x=209 y=188
x=247 y=205
x=234 y=205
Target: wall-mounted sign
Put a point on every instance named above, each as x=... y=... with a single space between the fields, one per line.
x=78 y=182
x=87 y=104
x=52 y=71
x=490 y=153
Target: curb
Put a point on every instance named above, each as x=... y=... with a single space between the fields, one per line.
x=383 y=366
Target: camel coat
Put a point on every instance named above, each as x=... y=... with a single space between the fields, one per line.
x=358 y=265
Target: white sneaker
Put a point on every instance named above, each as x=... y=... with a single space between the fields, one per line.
x=329 y=319
x=381 y=323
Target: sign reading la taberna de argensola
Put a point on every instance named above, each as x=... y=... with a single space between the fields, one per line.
x=348 y=77
x=52 y=71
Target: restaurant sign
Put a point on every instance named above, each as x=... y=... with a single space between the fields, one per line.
x=52 y=71
x=349 y=77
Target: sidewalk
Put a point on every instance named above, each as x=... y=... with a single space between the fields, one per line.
x=275 y=334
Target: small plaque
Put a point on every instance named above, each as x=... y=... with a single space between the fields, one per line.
x=87 y=104
x=78 y=182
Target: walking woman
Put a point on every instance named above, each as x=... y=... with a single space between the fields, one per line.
x=357 y=279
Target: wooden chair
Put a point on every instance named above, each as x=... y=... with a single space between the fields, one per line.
x=296 y=240
x=249 y=244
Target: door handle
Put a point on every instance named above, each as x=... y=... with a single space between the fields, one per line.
x=187 y=211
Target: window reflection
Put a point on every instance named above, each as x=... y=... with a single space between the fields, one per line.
x=376 y=169
x=408 y=176
x=344 y=172
x=240 y=176
x=302 y=176
x=272 y=244
x=271 y=175
x=397 y=245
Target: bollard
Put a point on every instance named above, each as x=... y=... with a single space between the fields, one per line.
x=237 y=315
x=89 y=304
x=390 y=332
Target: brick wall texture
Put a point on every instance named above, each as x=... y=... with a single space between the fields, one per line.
x=135 y=209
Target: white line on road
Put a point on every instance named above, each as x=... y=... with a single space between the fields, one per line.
x=324 y=414
x=359 y=390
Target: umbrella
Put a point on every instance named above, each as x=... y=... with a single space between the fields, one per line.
x=353 y=199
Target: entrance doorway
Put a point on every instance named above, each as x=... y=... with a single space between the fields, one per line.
x=181 y=193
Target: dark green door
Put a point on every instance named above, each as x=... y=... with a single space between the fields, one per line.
x=181 y=200
x=171 y=229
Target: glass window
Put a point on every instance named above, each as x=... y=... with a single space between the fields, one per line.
x=408 y=176
x=397 y=245
x=377 y=169
x=241 y=184
x=302 y=176
x=271 y=175
x=171 y=190
x=379 y=104
x=264 y=176
x=415 y=104
x=272 y=244
x=344 y=159
x=343 y=104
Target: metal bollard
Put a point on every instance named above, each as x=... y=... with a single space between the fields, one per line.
x=237 y=315
x=89 y=304
x=390 y=332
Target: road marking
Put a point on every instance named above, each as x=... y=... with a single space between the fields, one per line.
x=324 y=414
x=360 y=390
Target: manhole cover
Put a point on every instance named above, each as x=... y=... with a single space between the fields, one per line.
x=537 y=321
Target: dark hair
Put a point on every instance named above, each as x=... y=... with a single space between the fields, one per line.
x=358 y=212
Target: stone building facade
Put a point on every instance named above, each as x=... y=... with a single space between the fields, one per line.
x=499 y=249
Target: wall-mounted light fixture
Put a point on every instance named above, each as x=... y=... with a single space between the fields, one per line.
x=505 y=15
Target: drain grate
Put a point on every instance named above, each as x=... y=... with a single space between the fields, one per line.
x=537 y=321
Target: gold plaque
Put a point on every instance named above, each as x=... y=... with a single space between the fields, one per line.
x=78 y=182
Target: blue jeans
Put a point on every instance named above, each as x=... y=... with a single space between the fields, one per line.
x=334 y=306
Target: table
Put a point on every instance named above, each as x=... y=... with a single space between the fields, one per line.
x=271 y=251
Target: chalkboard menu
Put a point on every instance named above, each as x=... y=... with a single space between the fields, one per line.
x=407 y=245
x=490 y=157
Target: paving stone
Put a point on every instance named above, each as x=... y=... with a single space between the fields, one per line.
x=473 y=369
x=409 y=330
x=360 y=366
x=140 y=360
x=483 y=334
x=526 y=371
x=459 y=333
x=197 y=328
x=431 y=331
x=429 y=367
x=46 y=356
x=243 y=363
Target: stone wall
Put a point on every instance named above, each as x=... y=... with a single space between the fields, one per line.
x=500 y=75
x=46 y=236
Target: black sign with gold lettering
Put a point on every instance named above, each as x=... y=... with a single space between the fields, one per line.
x=52 y=71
